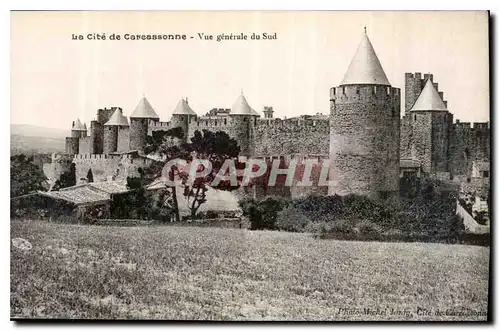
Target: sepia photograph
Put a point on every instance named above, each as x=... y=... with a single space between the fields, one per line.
x=250 y=166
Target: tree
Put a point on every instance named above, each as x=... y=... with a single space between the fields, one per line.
x=25 y=176
x=67 y=179
x=216 y=148
x=167 y=144
x=90 y=176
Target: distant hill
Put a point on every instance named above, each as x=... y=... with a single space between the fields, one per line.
x=37 y=131
x=35 y=145
x=31 y=139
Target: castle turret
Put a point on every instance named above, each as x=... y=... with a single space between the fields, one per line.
x=243 y=120
x=182 y=116
x=116 y=122
x=430 y=125
x=364 y=129
x=77 y=131
x=268 y=112
x=139 y=124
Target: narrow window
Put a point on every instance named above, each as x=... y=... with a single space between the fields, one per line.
x=225 y=121
x=343 y=89
x=357 y=90
x=414 y=117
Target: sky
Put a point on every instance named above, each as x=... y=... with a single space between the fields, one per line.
x=55 y=80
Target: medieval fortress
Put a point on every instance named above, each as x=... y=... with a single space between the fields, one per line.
x=367 y=142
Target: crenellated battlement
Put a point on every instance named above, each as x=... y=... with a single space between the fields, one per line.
x=299 y=158
x=158 y=124
x=212 y=121
x=363 y=93
x=481 y=126
x=78 y=157
x=293 y=123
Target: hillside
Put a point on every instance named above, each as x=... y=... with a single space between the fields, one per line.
x=37 y=131
x=169 y=272
x=31 y=139
x=35 y=145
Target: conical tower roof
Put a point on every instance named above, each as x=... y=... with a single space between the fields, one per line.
x=241 y=107
x=183 y=108
x=365 y=67
x=144 y=110
x=78 y=126
x=429 y=99
x=117 y=119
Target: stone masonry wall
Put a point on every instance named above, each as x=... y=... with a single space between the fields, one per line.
x=72 y=144
x=96 y=137
x=468 y=144
x=288 y=138
x=84 y=146
x=105 y=167
x=110 y=144
x=441 y=126
x=421 y=138
x=138 y=132
x=364 y=140
x=123 y=144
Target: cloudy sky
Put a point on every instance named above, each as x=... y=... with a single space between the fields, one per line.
x=55 y=79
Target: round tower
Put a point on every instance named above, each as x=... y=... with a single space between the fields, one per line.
x=111 y=128
x=73 y=143
x=364 y=129
x=139 y=124
x=78 y=129
x=430 y=123
x=181 y=117
x=243 y=120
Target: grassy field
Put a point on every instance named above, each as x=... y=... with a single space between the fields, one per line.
x=155 y=272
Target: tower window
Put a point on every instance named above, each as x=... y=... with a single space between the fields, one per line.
x=414 y=117
x=255 y=121
x=374 y=91
x=225 y=121
x=216 y=122
x=245 y=119
x=388 y=90
x=357 y=90
x=343 y=89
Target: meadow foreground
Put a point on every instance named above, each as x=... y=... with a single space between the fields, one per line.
x=167 y=272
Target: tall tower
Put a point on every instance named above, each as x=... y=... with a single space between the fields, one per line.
x=364 y=129
x=139 y=124
x=181 y=117
x=268 y=112
x=430 y=125
x=116 y=122
x=73 y=143
x=243 y=121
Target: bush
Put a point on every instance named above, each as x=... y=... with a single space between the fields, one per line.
x=369 y=228
x=291 y=219
x=262 y=214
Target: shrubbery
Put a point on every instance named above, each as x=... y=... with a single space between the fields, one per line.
x=429 y=215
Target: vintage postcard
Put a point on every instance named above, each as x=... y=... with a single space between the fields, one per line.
x=250 y=165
